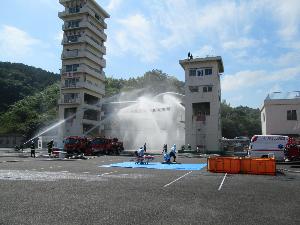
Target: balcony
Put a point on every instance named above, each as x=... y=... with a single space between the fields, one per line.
x=63 y=1
x=75 y=40
x=101 y=21
x=67 y=13
x=84 y=39
x=84 y=69
x=100 y=89
x=93 y=57
x=69 y=54
x=92 y=122
x=65 y=27
x=84 y=53
x=85 y=9
x=95 y=44
x=94 y=29
x=94 y=72
x=71 y=101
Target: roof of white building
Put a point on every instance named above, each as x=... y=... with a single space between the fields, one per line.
x=206 y=59
x=282 y=98
x=283 y=95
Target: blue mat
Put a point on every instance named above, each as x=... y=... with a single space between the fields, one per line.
x=158 y=166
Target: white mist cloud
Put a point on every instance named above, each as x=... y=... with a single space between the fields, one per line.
x=241 y=43
x=245 y=79
x=206 y=50
x=114 y=5
x=289 y=58
x=15 y=43
x=59 y=36
x=185 y=21
x=287 y=13
x=135 y=37
x=275 y=88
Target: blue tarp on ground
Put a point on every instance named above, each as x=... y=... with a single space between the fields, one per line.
x=159 y=166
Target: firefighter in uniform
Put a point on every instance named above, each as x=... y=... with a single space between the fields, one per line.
x=50 y=147
x=32 y=147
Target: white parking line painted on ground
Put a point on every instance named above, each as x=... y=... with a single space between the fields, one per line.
x=85 y=172
x=65 y=171
x=222 y=182
x=177 y=179
x=100 y=175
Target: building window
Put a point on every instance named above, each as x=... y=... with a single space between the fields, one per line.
x=207 y=89
x=264 y=117
x=208 y=71
x=194 y=88
x=200 y=72
x=70 y=68
x=70 y=97
x=71 y=82
x=73 y=38
x=192 y=72
x=75 y=9
x=73 y=23
x=291 y=115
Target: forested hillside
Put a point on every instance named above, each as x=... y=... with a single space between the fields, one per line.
x=38 y=91
x=31 y=113
x=154 y=82
x=239 y=121
x=18 y=81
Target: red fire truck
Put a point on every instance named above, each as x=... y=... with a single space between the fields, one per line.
x=77 y=145
x=292 y=150
x=101 y=145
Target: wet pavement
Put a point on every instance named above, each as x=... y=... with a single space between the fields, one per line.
x=73 y=191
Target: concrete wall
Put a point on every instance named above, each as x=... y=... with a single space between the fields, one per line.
x=206 y=134
x=276 y=122
x=10 y=140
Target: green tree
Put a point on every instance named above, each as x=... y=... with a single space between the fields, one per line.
x=239 y=121
x=18 y=81
x=31 y=113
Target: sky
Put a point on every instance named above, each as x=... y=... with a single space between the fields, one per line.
x=259 y=41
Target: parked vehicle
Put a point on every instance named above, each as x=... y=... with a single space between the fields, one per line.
x=265 y=145
x=101 y=145
x=77 y=145
x=292 y=150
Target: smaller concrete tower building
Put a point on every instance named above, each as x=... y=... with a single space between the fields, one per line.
x=202 y=102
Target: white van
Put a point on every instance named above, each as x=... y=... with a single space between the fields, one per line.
x=266 y=145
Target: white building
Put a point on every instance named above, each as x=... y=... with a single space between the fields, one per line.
x=280 y=114
x=202 y=102
x=82 y=75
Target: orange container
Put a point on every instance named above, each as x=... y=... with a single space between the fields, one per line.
x=265 y=166
x=211 y=164
x=246 y=165
x=261 y=166
x=223 y=164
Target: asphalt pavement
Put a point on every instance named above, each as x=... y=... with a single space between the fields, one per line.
x=53 y=191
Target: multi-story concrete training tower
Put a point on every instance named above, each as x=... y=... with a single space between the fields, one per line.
x=202 y=102
x=82 y=75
